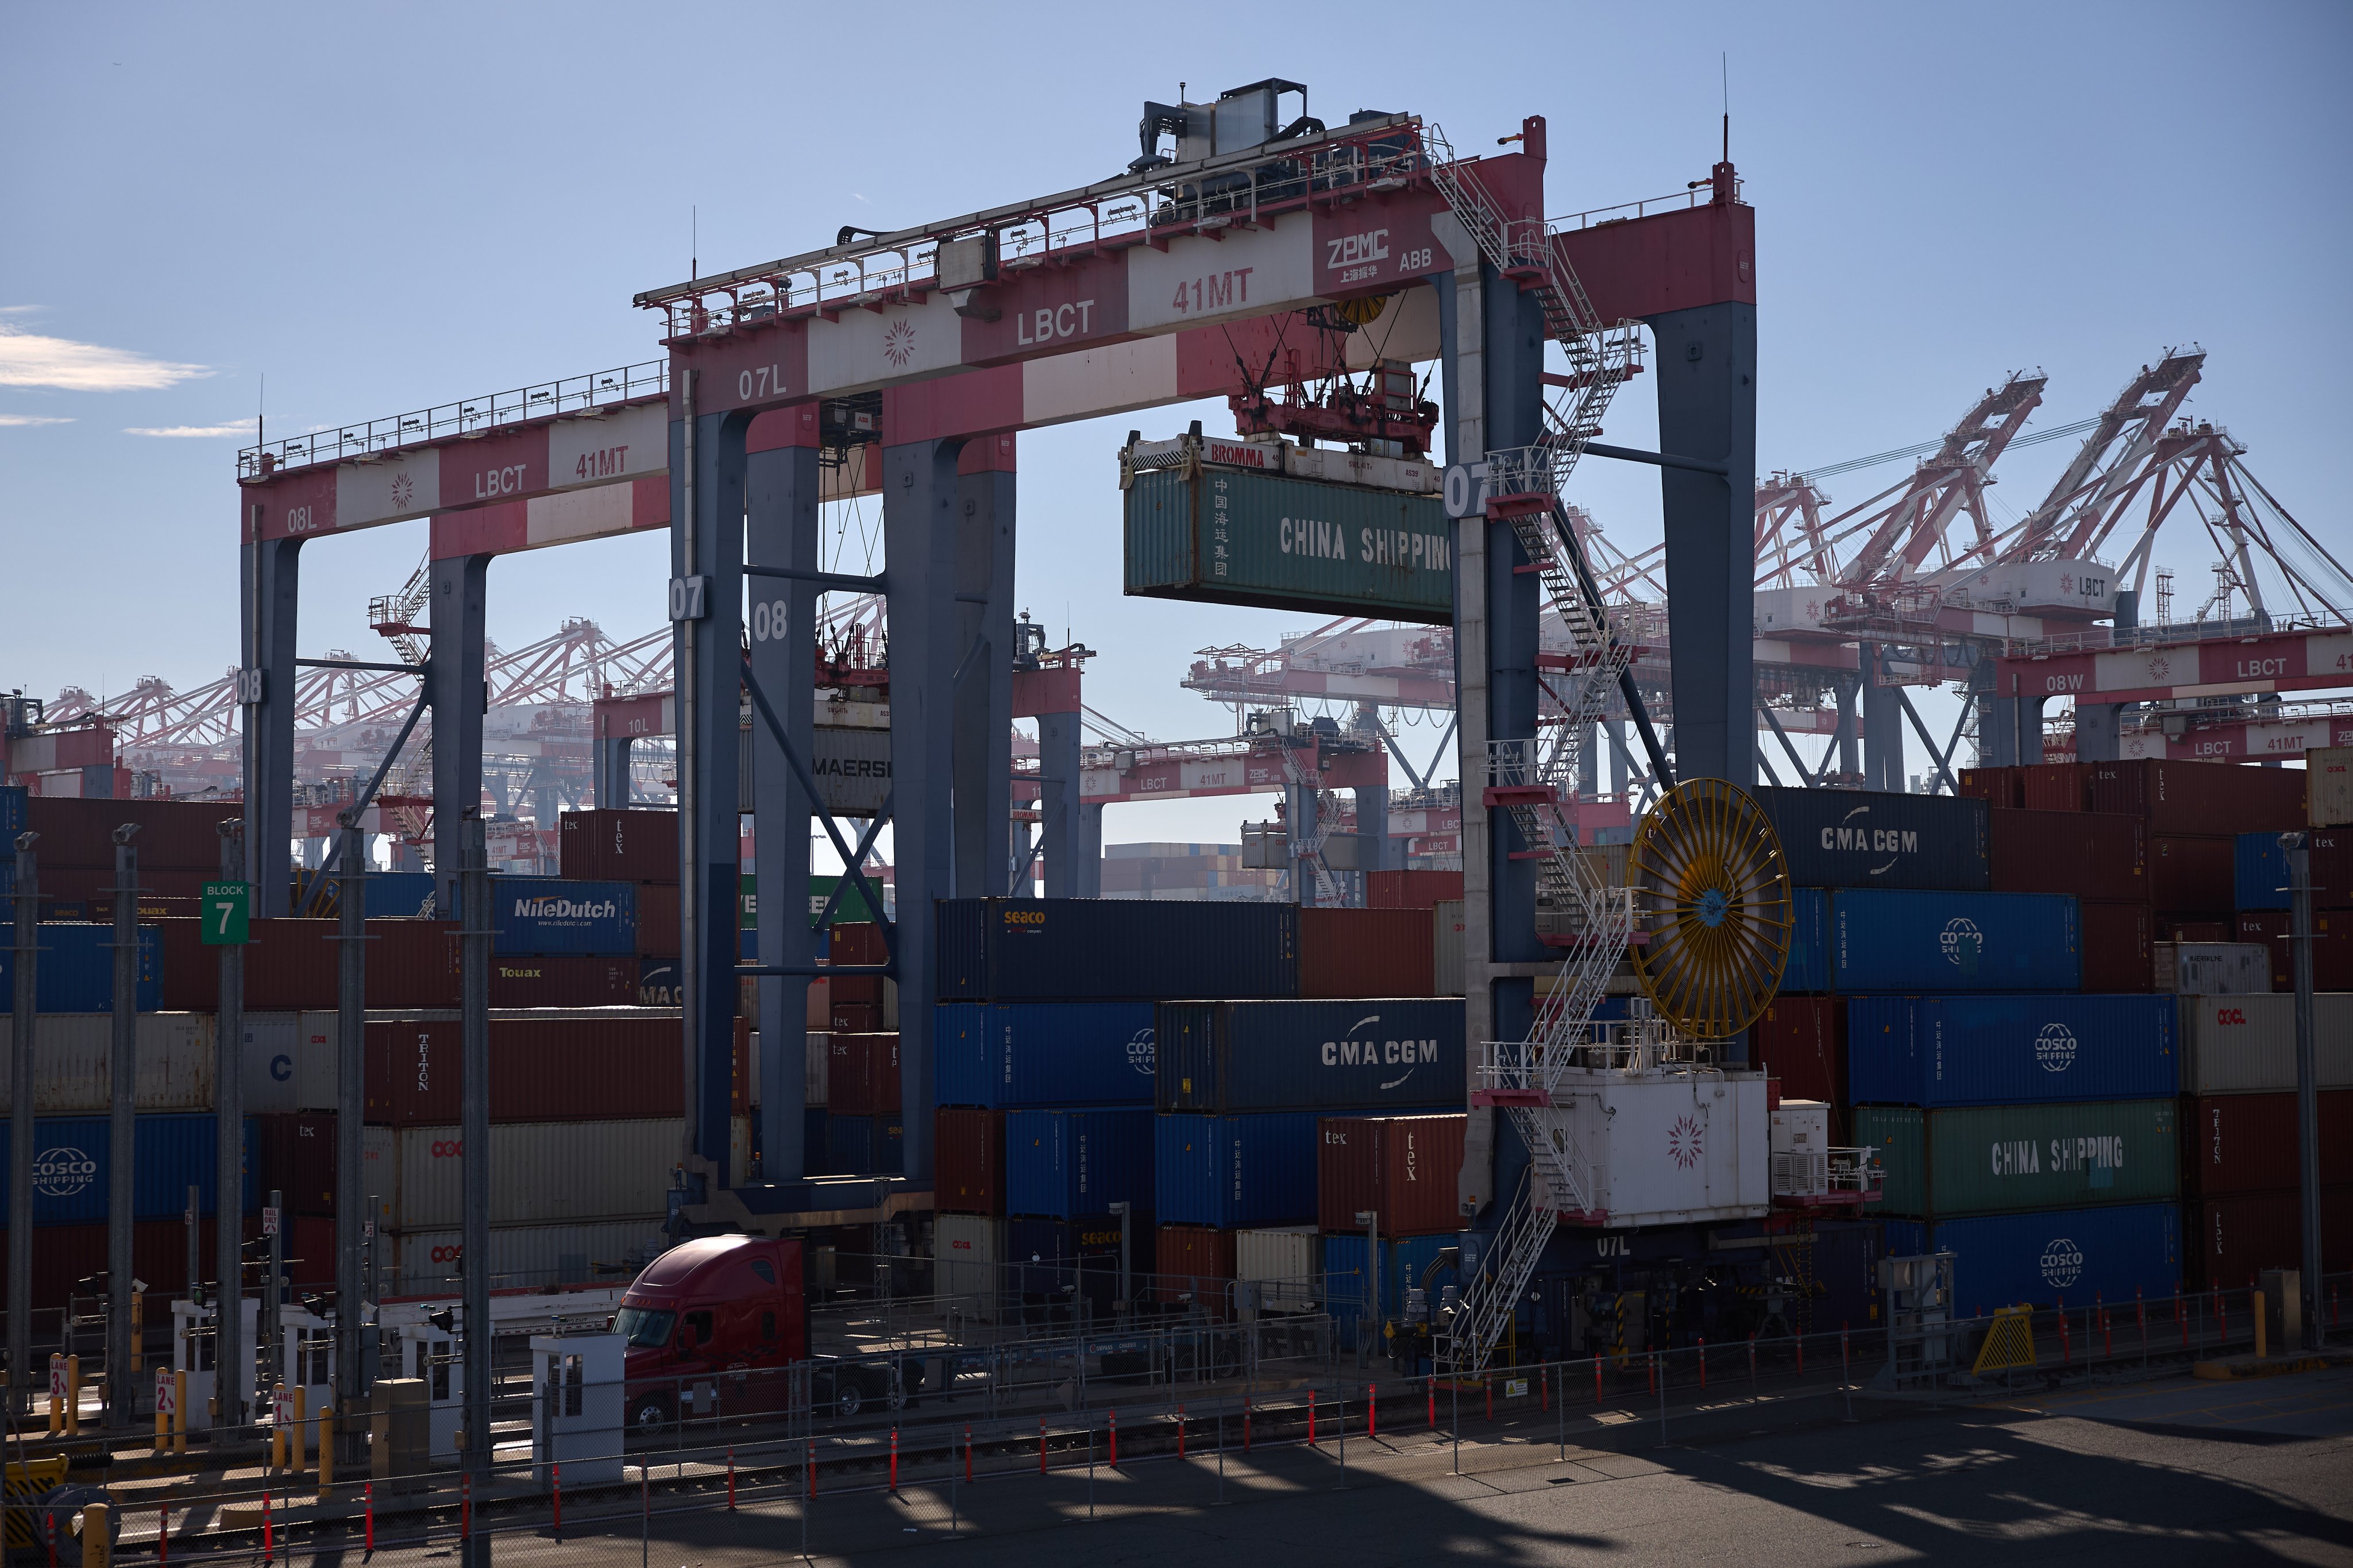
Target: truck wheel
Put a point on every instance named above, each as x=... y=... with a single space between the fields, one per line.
x=849 y=1399
x=650 y=1414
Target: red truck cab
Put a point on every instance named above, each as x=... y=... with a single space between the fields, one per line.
x=724 y=1312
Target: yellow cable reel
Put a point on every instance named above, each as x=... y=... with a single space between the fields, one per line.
x=1712 y=891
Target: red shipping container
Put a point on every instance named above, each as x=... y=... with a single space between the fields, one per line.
x=1412 y=890
x=857 y=941
x=563 y=1068
x=292 y=965
x=2248 y=1142
x=657 y=919
x=2230 y=1240
x=969 y=1160
x=1998 y=786
x=863 y=1074
x=92 y=884
x=617 y=845
x=295 y=1155
x=2332 y=946
x=1366 y=952
x=1402 y=1168
x=1195 y=1261
x=855 y=1017
x=2170 y=929
x=2055 y=787
x=564 y=980
x=2089 y=853
x=2119 y=946
x=66 y=1255
x=2222 y=798
x=865 y=989
x=2193 y=875
x=1801 y=1041
x=173 y=835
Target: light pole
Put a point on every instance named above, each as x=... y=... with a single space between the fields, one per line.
x=1122 y=1210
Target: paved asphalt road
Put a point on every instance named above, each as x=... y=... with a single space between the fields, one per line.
x=2163 y=1472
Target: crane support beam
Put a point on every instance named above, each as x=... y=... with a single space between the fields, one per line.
x=2179 y=671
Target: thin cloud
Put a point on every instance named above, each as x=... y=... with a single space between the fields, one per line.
x=34 y=359
x=32 y=419
x=192 y=432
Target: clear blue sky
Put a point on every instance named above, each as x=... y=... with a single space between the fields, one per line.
x=383 y=208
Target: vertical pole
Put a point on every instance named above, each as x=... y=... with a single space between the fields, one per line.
x=122 y=1389
x=2307 y=1094
x=474 y=1148
x=20 y=1130
x=351 y=1074
x=232 y=1361
x=273 y=1302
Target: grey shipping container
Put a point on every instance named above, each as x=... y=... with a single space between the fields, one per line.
x=524 y=1257
x=1074 y=950
x=1396 y=1053
x=2246 y=1045
x=2213 y=968
x=541 y=1173
x=73 y=1062
x=1447 y=954
x=1866 y=838
x=968 y=1260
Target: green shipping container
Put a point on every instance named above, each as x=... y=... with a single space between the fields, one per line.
x=852 y=907
x=2006 y=1159
x=1229 y=536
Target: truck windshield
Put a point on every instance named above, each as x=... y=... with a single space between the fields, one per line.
x=646 y=1326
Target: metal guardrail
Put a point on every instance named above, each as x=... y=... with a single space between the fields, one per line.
x=470 y=417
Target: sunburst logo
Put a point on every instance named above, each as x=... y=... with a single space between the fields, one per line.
x=899 y=342
x=402 y=489
x=2160 y=666
x=1683 y=1142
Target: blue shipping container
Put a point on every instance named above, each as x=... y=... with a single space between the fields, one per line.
x=864 y=1145
x=2052 y=1255
x=2010 y=1051
x=2261 y=873
x=11 y=817
x=1054 y=1259
x=1073 y=950
x=1864 y=838
x=1808 y=965
x=1401 y=1265
x=1235 y=1170
x=1003 y=1055
x=75 y=972
x=401 y=895
x=1933 y=942
x=547 y=914
x=1374 y=1055
x=1061 y=1164
x=170 y=1153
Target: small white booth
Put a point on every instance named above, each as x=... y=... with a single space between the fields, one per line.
x=306 y=1349
x=431 y=1355
x=195 y=1350
x=575 y=1406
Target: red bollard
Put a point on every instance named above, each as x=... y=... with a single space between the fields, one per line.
x=2181 y=1322
x=1433 y=1399
x=367 y=1504
x=895 y=1459
x=1703 y=1360
x=1489 y=1384
x=2108 y=1335
x=2222 y=1317
x=1842 y=1359
x=1114 y=1439
x=967 y=1455
x=731 y=1478
x=1596 y=1380
x=2066 y=1349
x=808 y=1482
x=164 y=1534
x=465 y=1507
x=1041 y=1445
x=1372 y=1409
x=268 y=1538
x=52 y=1518
x=1180 y=1431
x=1801 y=1355
x=556 y=1472
x=1544 y=1391
x=1246 y=1423
x=1651 y=1365
x=1311 y=1418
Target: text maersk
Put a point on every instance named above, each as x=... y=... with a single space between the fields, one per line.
x=1378 y=1053
x=1872 y=840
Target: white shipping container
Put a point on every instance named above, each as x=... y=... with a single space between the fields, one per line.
x=2329 y=786
x=314 y=1061
x=266 y=1066
x=1446 y=918
x=2246 y=1045
x=1802 y=1142
x=541 y=1173
x=1285 y=1261
x=2213 y=968
x=426 y=1262
x=1661 y=1148
x=969 y=1263
x=73 y=1063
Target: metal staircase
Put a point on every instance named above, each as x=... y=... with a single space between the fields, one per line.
x=1521 y=1077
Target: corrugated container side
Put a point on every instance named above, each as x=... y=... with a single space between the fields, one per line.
x=1412 y=890
x=1286 y=1263
x=1231 y=1171
x=2188 y=875
x=1064 y=1164
x=2213 y=968
x=1015 y=1054
x=2047 y=1257
x=2332 y=946
x=295 y=1155
x=2003 y=1159
x=1055 y=1259
x=1012 y=949
x=1861 y=838
x=550 y=915
x=268 y=1061
x=2200 y=797
x=1447 y=969
x=1402 y=1168
x=564 y=980
x=863 y=1074
x=632 y=846
x=1346 y=1278
x=2232 y=1239
x=541 y=1173
x=2329 y=782
x=865 y=1145
x=75 y=972
x=1194 y=1264
x=66 y=1255
x=2010 y=1050
x=171 y=1151
x=1391 y=1054
x=1887 y=941
x=1998 y=787
x=2119 y=946
x=1365 y=953
x=2055 y=787
x=1808 y=965
x=969 y=1164
x=2246 y=1045
x=2088 y=854
x=968 y=1262
x=524 y=1257
x=73 y=1062
x=573 y=1067
x=174 y=836
x=2260 y=872
x=2249 y=1143
x=1801 y=1041
x=292 y=964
